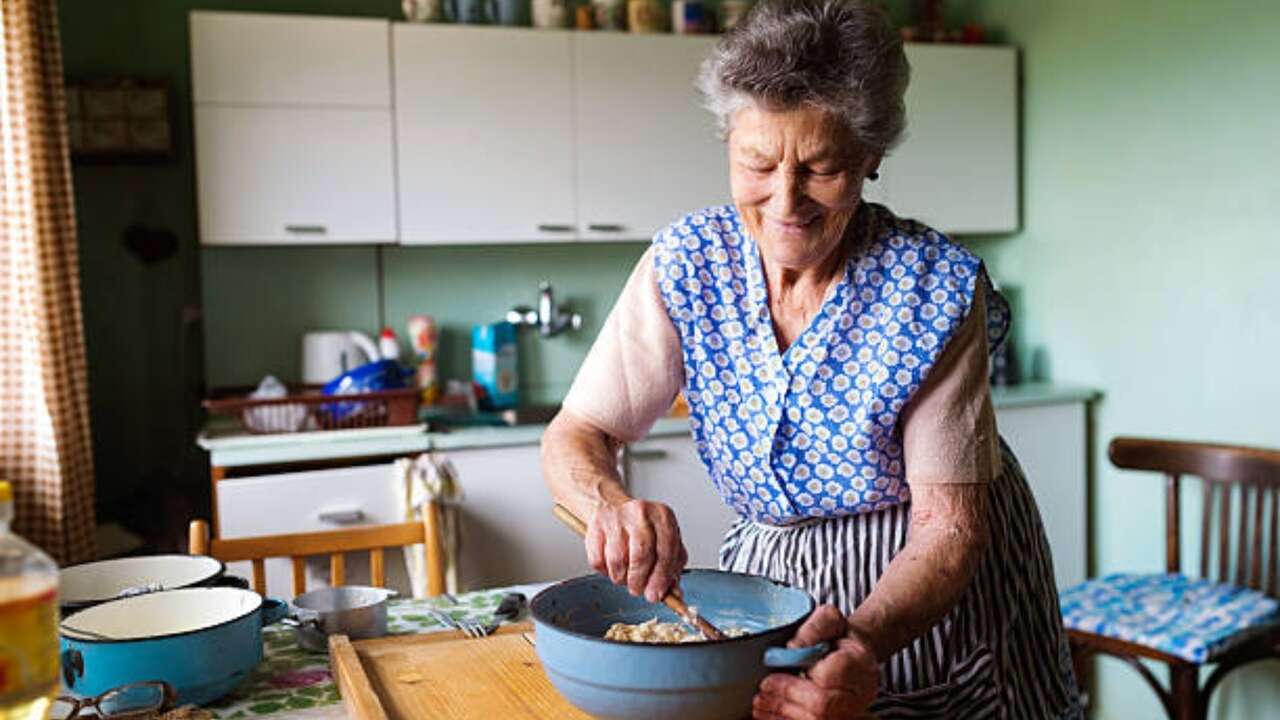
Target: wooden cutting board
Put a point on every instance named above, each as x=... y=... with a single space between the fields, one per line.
x=447 y=676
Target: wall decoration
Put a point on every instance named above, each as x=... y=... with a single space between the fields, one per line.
x=119 y=120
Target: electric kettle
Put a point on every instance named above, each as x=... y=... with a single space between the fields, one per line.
x=328 y=354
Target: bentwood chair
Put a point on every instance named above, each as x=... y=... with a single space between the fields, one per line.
x=334 y=543
x=1189 y=621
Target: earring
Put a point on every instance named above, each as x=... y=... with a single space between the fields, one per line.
x=873 y=176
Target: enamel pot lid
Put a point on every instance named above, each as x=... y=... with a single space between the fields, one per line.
x=96 y=582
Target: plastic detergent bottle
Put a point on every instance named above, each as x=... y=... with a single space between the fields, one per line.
x=28 y=623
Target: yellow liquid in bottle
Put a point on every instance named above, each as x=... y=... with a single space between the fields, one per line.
x=28 y=647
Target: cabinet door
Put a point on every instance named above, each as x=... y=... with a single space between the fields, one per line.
x=1049 y=441
x=483 y=134
x=269 y=175
x=647 y=151
x=509 y=535
x=668 y=470
x=256 y=59
x=957 y=169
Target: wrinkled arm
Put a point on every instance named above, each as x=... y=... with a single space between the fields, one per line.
x=950 y=452
x=580 y=465
x=946 y=540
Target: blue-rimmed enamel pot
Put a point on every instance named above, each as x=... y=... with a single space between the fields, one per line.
x=88 y=584
x=691 y=681
x=203 y=641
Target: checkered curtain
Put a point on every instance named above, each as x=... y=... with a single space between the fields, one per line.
x=44 y=396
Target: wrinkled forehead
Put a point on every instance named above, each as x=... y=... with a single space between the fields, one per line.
x=802 y=132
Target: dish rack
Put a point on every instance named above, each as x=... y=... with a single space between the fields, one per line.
x=310 y=410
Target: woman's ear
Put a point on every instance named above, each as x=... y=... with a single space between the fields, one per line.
x=871 y=166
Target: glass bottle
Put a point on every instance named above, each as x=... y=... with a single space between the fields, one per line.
x=28 y=623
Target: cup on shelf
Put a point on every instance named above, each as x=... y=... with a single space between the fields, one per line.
x=646 y=16
x=471 y=12
x=732 y=12
x=510 y=12
x=610 y=14
x=423 y=10
x=552 y=14
x=690 y=17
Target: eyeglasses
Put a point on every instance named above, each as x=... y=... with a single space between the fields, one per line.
x=135 y=700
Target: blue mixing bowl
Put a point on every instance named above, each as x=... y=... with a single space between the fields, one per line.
x=690 y=681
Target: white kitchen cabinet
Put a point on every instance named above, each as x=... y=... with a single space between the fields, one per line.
x=509 y=534
x=1050 y=441
x=484 y=134
x=293 y=135
x=311 y=501
x=957 y=169
x=667 y=470
x=278 y=175
x=262 y=59
x=647 y=151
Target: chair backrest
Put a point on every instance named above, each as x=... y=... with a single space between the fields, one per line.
x=1250 y=474
x=334 y=543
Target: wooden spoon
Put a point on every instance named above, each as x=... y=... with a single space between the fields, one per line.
x=674 y=598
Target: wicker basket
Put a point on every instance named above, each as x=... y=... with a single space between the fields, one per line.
x=309 y=410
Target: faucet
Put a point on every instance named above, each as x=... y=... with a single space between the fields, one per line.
x=549 y=318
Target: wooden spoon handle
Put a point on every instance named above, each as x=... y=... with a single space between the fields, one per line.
x=674 y=598
x=568 y=518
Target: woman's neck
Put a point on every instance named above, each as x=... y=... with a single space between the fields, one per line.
x=789 y=286
x=797 y=294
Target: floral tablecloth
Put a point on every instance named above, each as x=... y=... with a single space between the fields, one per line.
x=291 y=681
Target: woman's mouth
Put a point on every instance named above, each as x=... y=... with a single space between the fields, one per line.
x=792 y=226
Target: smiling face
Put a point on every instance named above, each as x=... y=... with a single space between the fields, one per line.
x=796 y=178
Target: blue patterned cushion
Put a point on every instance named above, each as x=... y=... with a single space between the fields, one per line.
x=1194 y=619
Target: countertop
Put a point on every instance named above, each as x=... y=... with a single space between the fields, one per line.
x=231 y=446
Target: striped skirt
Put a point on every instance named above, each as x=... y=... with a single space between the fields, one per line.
x=1000 y=653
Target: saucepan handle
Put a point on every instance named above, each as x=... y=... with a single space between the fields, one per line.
x=273 y=611
x=801 y=658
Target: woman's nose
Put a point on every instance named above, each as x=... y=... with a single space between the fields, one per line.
x=788 y=193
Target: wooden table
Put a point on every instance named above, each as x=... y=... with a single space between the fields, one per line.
x=295 y=684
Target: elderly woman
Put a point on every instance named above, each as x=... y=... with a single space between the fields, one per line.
x=834 y=358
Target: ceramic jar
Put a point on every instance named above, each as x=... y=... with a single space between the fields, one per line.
x=646 y=16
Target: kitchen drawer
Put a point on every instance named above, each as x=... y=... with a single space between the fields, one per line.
x=308 y=502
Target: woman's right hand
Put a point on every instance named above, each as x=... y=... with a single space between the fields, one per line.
x=636 y=543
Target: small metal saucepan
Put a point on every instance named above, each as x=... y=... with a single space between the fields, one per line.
x=356 y=611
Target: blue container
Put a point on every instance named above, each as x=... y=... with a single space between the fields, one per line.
x=493 y=365
x=370 y=377
x=203 y=641
x=691 y=681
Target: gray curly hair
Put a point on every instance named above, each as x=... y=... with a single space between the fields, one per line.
x=840 y=56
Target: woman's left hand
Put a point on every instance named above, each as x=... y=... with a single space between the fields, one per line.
x=841 y=685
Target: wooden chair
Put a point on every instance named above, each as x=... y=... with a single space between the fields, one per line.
x=334 y=543
x=1252 y=475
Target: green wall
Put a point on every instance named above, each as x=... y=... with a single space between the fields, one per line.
x=1147 y=259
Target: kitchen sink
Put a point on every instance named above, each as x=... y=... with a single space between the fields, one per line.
x=524 y=415
x=529 y=415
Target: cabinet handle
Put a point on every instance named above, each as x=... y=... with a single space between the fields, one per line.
x=646 y=453
x=342 y=517
x=552 y=227
x=306 y=229
x=606 y=227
